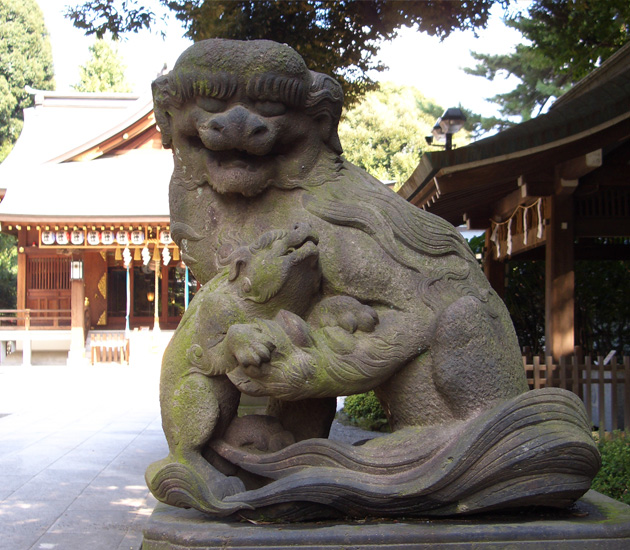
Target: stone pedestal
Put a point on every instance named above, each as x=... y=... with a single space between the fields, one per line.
x=596 y=522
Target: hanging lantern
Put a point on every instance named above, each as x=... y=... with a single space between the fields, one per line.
x=107 y=237
x=122 y=238
x=137 y=237
x=93 y=238
x=165 y=237
x=48 y=237
x=77 y=237
x=62 y=237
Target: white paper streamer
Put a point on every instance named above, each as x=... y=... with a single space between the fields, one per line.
x=126 y=256
x=495 y=240
x=166 y=255
x=146 y=256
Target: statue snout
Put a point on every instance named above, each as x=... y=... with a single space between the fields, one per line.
x=238 y=129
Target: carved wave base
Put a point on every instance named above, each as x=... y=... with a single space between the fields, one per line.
x=536 y=449
x=595 y=521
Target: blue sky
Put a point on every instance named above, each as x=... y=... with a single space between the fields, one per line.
x=416 y=59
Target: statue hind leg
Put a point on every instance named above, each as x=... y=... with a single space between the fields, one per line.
x=195 y=407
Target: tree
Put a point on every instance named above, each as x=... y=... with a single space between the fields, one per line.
x=25 y=60
x=8 y=272
x=384 y=133
x=104 y=71
x=567 y=39
x=339 y=38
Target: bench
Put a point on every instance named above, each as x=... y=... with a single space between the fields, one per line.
x=109 y=347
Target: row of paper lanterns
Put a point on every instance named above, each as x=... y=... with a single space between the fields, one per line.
x=78 y=237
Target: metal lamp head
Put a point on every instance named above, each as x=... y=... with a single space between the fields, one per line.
x=452 y=121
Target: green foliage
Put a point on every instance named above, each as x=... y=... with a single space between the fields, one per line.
x=8 y=272
x=104 y=71
x=364 y=410
x=477 y=243
x=384 y=133
x=339 y=38
x=25 y=60
x=613 y=479
x=565 y=40
x=602 y=307
x=525 y=300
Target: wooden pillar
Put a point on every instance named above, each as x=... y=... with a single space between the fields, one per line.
x=494 y=269
x=158 y=294
x=76 y=355
x=21 y=273
x=164 y=295
x=560 y=278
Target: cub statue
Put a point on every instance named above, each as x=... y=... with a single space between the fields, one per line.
x=399 y=306
x=276 y=278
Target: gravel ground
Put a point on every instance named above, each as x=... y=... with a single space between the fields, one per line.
x=350 y=434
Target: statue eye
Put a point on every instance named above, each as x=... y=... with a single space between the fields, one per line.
x=270 y=108
x=211 y=104
x=246 y=285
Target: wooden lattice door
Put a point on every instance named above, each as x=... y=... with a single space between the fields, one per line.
x=48 y=289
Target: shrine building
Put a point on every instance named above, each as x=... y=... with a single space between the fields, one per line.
x=554 y=188
x=85 y=192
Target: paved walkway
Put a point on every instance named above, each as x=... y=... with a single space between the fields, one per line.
x=74 y=444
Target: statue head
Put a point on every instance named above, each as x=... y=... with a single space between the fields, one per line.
x=280 y=270
x=243 y=116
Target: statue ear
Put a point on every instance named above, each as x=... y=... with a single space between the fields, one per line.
x=237 y=260
x=328 y=132
x=162 y=97
x=324 y=103
x=235 y=268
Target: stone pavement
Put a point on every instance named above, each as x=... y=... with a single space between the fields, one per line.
x=74 y=444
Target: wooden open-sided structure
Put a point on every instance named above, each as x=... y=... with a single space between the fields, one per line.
x=547 y=188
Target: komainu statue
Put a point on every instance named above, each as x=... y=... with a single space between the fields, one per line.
x=318 y=281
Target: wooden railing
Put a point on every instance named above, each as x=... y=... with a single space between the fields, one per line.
x=26 y=319
x=603 y=384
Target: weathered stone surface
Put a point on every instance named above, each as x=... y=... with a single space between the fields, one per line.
x=318 y=282
x=595 y=523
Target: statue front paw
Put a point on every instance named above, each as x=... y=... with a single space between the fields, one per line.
x=249 y=346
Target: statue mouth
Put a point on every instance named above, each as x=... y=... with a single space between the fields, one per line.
x=239 y=160
x=305 y=250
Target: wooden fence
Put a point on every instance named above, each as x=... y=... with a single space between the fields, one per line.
x=25 y=319
x=603 y=384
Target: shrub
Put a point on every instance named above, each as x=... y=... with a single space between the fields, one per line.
x=365 y=411
x=613 y=479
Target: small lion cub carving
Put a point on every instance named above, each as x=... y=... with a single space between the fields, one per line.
x=276 y=278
